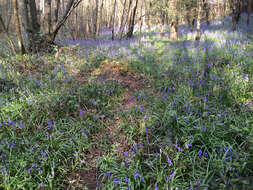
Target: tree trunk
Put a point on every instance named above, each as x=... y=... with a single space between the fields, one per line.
x=33 y=14
x=113 y=19
x=122 y=25
x=207 y=10
x=174 y=30
x=140 y=35
x=233 y=22
x=26 y=21
x=95 y=19
x=128 y=17
x=100 y=17
x=174 y=23
x=193 y=24
x=56 y=12
x=149 y=18
x=48 y=19
x=162 y=25
x=197 y=37
x=18 y=28
x=235 y=7
x=224 y=12
x=132 y=22
x=87 y=25
x=248 y=10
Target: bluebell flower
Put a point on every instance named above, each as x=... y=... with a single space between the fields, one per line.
x=173 y=174
x=200 y=153
x=169 y=161
x=188 y=145
x=29 y=101
x=134 y=149
x=136 y=174
x=146 y=130
x=108 y=174
x=116 y=180
x=12 y=144
x=81 y=112
x=141 y=108
x=178 y=148
x=126 y=179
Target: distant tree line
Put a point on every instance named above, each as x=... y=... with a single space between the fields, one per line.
x=38 y=23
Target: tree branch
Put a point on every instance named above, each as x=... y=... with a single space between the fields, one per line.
x=70 y=7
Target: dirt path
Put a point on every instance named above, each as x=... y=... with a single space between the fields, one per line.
x=132 y=81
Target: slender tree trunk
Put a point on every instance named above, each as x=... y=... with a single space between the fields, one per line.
x=149 y=18
x=56 y=12
x=48 y=19
x=131 y=29
x=9 y=16
x=248 y=10
x=193 y=24
x=235 y=7
x=122 y=20
x=113 y=19
x=33 y=14
x=233 y=22
x=100 y=17
x=162 y=25
x=207 y=10
x=224 y=12
x=174 y=23
x=95 y=24
x=241 y=5
x=188 y=18
x=197 y=37
x=142 y=1
x=128 y=17
x=18 y=28
x=87 y=26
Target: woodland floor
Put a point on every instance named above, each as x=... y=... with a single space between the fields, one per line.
x=145 y=113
